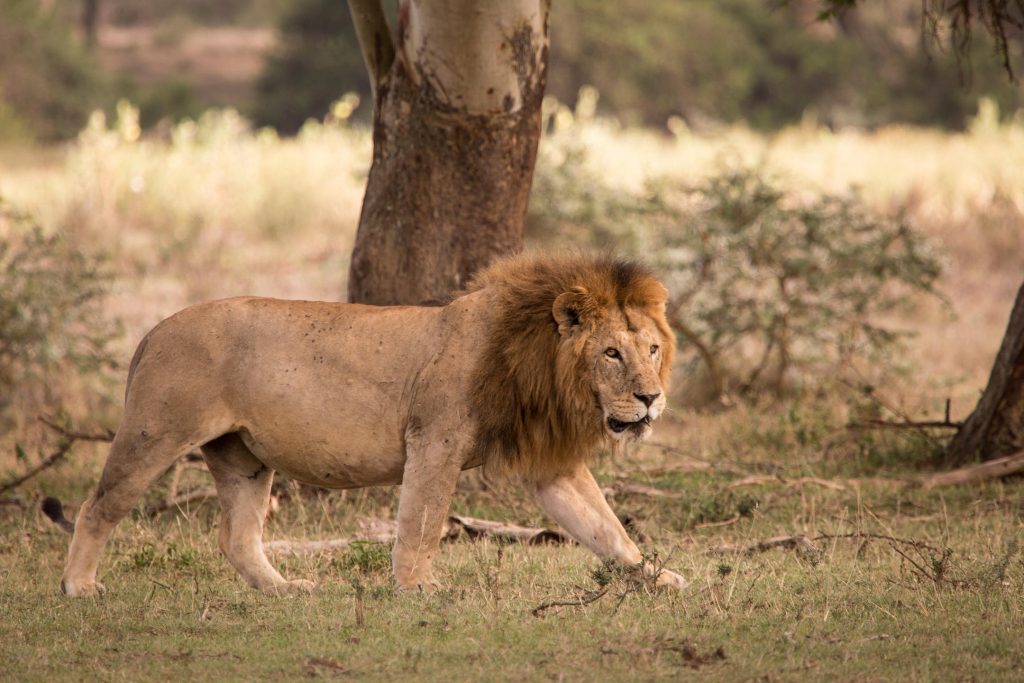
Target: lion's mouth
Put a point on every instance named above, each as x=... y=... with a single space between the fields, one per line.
x=618 y=426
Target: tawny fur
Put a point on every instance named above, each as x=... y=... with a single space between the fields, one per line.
x=527 y=371
x=533 y=396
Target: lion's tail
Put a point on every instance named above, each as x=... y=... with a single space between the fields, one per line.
x=54 y=509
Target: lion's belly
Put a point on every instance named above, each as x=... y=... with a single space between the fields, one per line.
x=342 y=447
x=331 y=463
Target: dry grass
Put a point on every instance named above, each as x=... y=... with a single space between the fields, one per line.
x=220 y=211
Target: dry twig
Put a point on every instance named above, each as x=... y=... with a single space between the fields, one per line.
x=756 y=479
x=798 y=541
x=581 y=600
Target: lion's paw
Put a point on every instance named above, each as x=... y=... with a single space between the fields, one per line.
x=667 y=579
x=296 y=586
x=81 y=589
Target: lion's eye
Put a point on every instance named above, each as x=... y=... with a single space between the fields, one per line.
x=613 y=353
x=654 y=349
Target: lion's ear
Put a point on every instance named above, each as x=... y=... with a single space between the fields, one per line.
x=572 y=309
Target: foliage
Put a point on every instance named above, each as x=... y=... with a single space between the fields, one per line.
x=366 y=557
x=808 y=282
x=48 y=82
x=51 y=318
x=769 y=285
x=206 y=12
x=316 y=61
x=703 y=61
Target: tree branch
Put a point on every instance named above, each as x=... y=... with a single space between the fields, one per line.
x=49 y=462
x=705 y=353
x=375 y=40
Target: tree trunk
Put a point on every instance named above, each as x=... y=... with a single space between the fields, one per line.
x=456 y=127
x=996 y=427
x=90 y=15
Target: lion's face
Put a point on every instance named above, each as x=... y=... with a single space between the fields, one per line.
x=622 y=351
x=625 y=356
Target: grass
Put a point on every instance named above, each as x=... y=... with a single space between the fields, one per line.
x=855 y=609
x=216 y=210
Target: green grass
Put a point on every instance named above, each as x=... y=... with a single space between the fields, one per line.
x=855 y=610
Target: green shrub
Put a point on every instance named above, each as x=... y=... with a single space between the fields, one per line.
x=366 y=558
x=769 y=287
x=51 y=318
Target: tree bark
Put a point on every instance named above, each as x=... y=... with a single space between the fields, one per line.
x=996 y=427
x=88 y=21
x=457 y=121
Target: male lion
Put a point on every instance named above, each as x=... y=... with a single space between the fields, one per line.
x=541 y=359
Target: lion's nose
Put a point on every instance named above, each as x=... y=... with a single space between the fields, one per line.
x=647 y=399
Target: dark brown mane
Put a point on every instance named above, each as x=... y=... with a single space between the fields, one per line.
x=535 y=406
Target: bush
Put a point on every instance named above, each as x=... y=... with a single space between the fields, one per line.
x=51 y=320
x=768 y=287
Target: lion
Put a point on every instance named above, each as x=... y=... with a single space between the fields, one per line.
x=540 y=360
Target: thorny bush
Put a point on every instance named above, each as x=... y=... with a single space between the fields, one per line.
x=769 y=287
x=51 y=318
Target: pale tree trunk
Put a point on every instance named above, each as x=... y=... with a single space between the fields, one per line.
x=457 y=118
x=996 y=427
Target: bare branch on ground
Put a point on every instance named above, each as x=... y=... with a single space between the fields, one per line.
x=756 y=479
x=374 y=530
x=990 y=469
x=195 y=495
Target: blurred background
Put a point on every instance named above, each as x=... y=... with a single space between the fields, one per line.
x=153 y=155
x=280 y=62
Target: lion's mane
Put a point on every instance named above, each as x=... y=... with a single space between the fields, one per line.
x=536 y=408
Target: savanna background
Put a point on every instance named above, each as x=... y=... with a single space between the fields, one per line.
x=836 y=206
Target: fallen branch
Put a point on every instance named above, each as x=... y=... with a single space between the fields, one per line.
x=802 y=542
x=583 y=599
x=638 y=489
x=477 y=528
x=905 y=424
x=991 y=469
x=868 y=536
x=373 y=530
x=756 y=479
x=712 y=525
x=198 y=494
x=796 y=542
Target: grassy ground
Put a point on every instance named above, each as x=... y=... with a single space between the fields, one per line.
x=859 y=608
x=216 y=210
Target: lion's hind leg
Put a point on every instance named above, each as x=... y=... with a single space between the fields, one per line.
x=136 y=459
x=243 y=487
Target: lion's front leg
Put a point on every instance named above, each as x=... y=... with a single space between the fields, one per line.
x=575 y=501
x=428 y=484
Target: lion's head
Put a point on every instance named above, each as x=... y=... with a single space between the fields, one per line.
x=581 y=352
x=621 y=349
